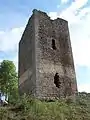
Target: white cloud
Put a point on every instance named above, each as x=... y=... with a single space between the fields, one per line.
x=81 y=44
x=9 y=42
x=64 y=1
x=53 y=15
x=80 y=37
x=77 y=4
x=71 y=12
x=9 y=39
x=15 y=60
x=74 y=12
x=84 y=88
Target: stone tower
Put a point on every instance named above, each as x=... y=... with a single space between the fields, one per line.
x=46 y=66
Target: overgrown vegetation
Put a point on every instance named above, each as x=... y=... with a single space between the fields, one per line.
x=27 y=108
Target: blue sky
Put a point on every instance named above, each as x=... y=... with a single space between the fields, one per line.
x=14 y=15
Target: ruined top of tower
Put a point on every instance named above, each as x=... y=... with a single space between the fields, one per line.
x=35 y=11
x=46 y=66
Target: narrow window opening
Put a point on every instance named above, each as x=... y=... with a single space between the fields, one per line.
x=53 y=44
x=57 y=80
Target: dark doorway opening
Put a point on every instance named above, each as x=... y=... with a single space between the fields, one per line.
x=57 y=80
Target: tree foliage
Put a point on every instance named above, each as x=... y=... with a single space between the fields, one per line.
x=8 y=78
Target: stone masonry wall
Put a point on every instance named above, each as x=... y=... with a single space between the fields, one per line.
x=50 y=61
x=27 y=67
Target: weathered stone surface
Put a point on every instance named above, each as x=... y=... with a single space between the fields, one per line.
x=45 y=50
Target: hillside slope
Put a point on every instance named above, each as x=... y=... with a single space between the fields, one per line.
x=31 y=109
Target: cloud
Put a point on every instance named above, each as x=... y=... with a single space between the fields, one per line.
x=77 y=4
x=15 y=60
x=9 y=39
x=64 y=1
x=73 y=12
x=84 y=87
x=80 y=38
x=53 y=15
x=9 y=44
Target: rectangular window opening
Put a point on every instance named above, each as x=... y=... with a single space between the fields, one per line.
x=53 y=44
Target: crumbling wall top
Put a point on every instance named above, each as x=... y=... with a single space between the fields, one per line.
x=44 y=13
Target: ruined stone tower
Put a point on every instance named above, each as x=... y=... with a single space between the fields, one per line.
x=45 y=55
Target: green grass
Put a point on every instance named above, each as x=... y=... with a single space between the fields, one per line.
x=27 y=108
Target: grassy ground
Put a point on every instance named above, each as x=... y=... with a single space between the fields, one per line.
x=31 y=109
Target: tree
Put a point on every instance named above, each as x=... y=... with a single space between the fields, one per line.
x=8 y=78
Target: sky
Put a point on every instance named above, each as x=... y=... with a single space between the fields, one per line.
x=14 y=15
